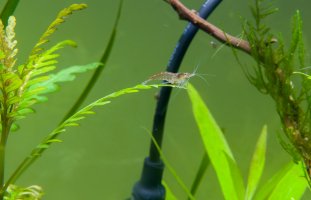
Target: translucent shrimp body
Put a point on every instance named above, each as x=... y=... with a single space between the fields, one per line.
x=179 y=79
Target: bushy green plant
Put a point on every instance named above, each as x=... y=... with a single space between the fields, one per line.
x=23 y=85
x=276 y=67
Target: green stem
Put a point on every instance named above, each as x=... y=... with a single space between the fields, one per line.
x=8 y=10
x=205 y=162
x=2 y=157
x=20 y=170
x=6 y=124
x=99 y=70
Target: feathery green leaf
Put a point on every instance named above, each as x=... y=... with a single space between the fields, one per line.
x=53 y=26
x=67 y=74
x=72 y=121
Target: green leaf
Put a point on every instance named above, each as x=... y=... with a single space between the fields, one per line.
x=49 y=60
x=44 y=62
x=8 y=10
x=52 y=137
x=74 y=119
x=43 y=70
x=217 y=149
x=2 y=55
x=13 y=100
x=257 y=164
x=54 y=141
x=205 y=163
x=67 y=74
x=39 y=79
x=72 y=124
x=169 y=194
x=53 y=26
x=29 y=94
x=236 y=175
x=289 y=172
x=14 y=127
x=25 y=111
x=97 y=73
x=14 y=192
x=301 y=48
x=291 y=186
x=297 y=40
x=11 y=82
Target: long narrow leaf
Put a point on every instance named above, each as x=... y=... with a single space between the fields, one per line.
x=257 y=164
x=291 y=186
x=217 y=149
x=205 y=162
x=169 y=194
x=8 y=10
x=282 y=175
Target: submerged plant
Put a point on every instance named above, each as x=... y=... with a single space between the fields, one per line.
x=279 y=72
x=23 y=85
x=274 y=75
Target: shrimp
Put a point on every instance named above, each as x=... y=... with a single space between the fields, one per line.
x=179 y=79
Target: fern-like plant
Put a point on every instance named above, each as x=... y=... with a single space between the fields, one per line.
x=26 y=84
x=23 y=85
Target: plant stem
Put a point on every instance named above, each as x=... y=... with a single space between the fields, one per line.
x=223 y=37
x=205 y=162
x=8 y=10
x=20 y=170
x=6 y=125
x=99 y=70
x=2 y=161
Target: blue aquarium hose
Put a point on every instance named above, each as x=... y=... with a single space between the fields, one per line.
x=149 y=187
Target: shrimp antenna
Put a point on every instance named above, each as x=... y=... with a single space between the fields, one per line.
x=202 y=78
x=194 y=73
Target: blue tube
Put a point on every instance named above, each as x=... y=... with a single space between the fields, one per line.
x=173 y=66
x=149 y=187
x=189 y=32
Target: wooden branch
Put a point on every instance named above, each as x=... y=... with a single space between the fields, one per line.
x=191 y=16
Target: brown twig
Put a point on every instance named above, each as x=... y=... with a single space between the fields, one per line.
x=191 y=16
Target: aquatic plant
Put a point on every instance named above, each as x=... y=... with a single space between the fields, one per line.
x=276 y=68
x=273 y=75
x=24 y=85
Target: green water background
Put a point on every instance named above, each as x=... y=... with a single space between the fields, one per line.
x=103 y=158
